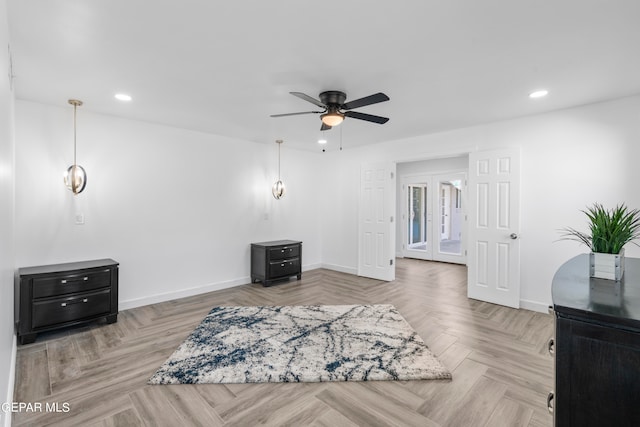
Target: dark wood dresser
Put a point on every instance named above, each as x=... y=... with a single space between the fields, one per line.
x=277 y=260
x=597 y=346
x=49 y=297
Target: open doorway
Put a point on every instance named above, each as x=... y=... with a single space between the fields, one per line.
x=431 y=208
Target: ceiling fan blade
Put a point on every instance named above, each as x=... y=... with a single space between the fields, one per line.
x=296 y=114
x=308 y=98
x=367 y=117
x=325 y=126
x=367 y=100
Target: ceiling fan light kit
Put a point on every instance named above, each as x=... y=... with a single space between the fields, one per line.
x=332 y=119
x=336 y=110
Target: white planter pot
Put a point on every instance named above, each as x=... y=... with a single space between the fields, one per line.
x=607 y=266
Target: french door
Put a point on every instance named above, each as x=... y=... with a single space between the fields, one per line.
x=433 y=217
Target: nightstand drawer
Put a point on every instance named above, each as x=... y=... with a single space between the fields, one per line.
x=284 y=268
x=77 y=307
x=284 y=252
x=70 y=283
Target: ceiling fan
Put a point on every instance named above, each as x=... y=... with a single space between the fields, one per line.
x=335 y=109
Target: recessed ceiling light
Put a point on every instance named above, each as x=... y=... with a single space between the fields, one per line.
x=322 y=141
x=123 y=97
x=539 y=94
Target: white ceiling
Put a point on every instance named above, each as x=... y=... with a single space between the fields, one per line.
x=224 y=67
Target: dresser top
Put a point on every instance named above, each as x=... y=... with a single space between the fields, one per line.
x=70 y=266
x=278 y=243
x=574 y=292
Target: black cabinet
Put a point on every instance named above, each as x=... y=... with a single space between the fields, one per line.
x=276 y=260
x=597 y=346
x=54 y=296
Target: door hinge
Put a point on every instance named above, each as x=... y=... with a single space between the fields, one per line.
x=391 y=219
x=390 y=262
x=391 y=175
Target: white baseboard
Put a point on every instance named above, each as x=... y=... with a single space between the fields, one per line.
x=12 y=382
x=183 y=293
x=340 y=268
x=311 y=267
x=534 y=306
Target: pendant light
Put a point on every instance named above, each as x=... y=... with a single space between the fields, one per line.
x=75 y=178
x=278 y=188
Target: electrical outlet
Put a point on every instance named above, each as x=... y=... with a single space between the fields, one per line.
x=79 y=218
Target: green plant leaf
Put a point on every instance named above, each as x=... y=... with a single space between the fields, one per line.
x=609 y=230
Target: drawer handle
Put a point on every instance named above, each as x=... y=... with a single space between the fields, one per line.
x=65 y=281
x=65 y=304
x=550 y=402
x=281 y=265
x=551 y=346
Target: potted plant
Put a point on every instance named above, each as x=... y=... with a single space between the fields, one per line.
x=609 y=231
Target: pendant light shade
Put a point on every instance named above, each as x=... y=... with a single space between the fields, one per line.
x=75 y=178
x=278 y=189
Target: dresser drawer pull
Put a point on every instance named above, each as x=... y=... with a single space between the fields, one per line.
x=83 y=300
x=550 y=402
x=551 y=346
x=84 y=279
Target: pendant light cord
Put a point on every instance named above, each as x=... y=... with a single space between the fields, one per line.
x=279 y=141
x=75 y=108
x=75 y=104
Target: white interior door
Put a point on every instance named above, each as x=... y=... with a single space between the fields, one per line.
x=376 y=229
x=494 y=224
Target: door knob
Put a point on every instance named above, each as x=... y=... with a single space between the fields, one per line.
x=513 y=236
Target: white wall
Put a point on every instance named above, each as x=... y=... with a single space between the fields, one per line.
x=7 y=337
x=570 y=159
x=178 y=209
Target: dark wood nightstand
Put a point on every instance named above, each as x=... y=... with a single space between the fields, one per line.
x=54 y=296
x=276 y=260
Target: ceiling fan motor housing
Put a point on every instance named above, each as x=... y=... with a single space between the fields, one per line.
x=333 y=97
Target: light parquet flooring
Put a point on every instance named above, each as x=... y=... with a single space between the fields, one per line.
x=501 y=371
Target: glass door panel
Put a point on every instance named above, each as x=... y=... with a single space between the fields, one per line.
x=450 y=216
x=417 y=219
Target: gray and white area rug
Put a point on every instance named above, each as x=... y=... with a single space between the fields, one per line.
x=301 y=344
